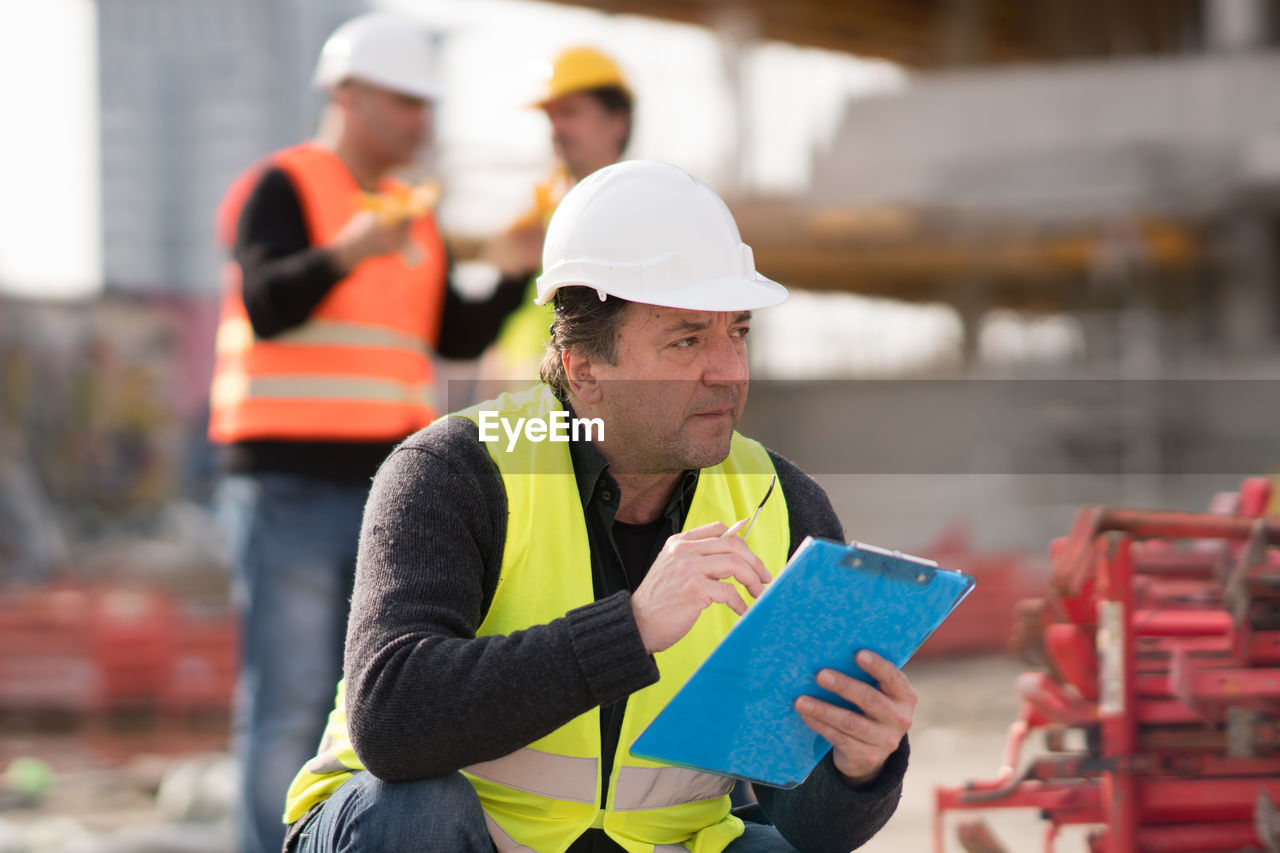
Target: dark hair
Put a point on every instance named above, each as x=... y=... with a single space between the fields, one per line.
x=615 y=99
x=584 y=323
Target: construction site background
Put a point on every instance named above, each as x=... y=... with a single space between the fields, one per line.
x=1035 y=258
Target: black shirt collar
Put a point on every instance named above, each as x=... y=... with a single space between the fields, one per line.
x=595 y=483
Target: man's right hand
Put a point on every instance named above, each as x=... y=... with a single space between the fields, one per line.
x=688 y=576
x=516 y=252
x=365 y=236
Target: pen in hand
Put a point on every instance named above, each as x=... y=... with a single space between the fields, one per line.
x=738 y=526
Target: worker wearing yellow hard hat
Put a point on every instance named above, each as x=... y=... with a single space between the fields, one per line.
x=588 y=103
x=580 y=69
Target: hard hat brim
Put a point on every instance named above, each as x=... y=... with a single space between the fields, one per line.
x=581 y=69
x=425 y=90
x=724 y=294
x=546 y=100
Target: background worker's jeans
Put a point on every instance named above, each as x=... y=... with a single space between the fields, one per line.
x=367 y=814
x=292 y=544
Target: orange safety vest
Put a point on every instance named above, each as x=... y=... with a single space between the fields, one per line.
x=359 y=368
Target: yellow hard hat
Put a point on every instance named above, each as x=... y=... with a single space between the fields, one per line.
x=579 y=69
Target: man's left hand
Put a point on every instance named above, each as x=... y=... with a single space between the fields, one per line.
x=862 y=742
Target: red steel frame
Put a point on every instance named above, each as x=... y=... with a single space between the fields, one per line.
x=1174 y=649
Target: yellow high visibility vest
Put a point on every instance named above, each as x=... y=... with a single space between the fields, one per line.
x=542 y=797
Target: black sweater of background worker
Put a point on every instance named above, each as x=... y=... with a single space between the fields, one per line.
x=425 y=697
x=283 y=279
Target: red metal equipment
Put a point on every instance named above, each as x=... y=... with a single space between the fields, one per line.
x=93 y=650
x=1160 y=634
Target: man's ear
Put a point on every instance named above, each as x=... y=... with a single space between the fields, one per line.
x=342 y=95
x=621 y=131
x=580 y=371
x=351 y=96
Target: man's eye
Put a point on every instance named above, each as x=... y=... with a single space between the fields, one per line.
x=686 y=342
x=742 y=331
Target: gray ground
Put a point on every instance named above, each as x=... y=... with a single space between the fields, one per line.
x=965 y=709
x=142 y=806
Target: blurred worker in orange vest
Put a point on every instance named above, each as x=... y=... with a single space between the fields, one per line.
x=589 y=105
x=335 y=300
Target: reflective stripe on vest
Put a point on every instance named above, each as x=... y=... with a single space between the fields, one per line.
x=546 y=795
x=658 y=787
x=561 y=777
x=346 y=388
x=236 y=336
x=359 y=368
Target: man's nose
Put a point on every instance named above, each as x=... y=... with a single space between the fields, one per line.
x=726 y=361
x=423 y=117
x=561 y=123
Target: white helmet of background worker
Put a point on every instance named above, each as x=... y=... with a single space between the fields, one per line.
x=381 y=48
x=648 y=232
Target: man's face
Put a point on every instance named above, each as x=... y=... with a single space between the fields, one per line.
x=391 y=125
x=677 y=389
x=585 y=135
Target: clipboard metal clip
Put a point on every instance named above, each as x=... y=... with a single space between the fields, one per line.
x=899 y=567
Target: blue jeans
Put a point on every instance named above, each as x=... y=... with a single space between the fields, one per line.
x=367 y=814
x=292 y=542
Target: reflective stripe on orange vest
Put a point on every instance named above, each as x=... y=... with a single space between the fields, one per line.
x=232 y=388
x=236 y=335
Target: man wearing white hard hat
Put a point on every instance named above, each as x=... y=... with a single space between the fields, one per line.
x=336 y=300
x=525 y=605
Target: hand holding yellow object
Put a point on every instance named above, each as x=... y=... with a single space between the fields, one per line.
x=402 y=203
x=382 y=226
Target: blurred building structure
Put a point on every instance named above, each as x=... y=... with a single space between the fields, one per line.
x=1041 y=149
x=1089 y=188
x=190 y=93
x=1111 y=163
x=953 y=33
x=1048 y=156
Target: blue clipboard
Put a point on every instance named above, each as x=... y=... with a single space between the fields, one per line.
x=736 y=716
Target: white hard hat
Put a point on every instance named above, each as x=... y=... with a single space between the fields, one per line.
x=383 y=49
x=648 y=232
